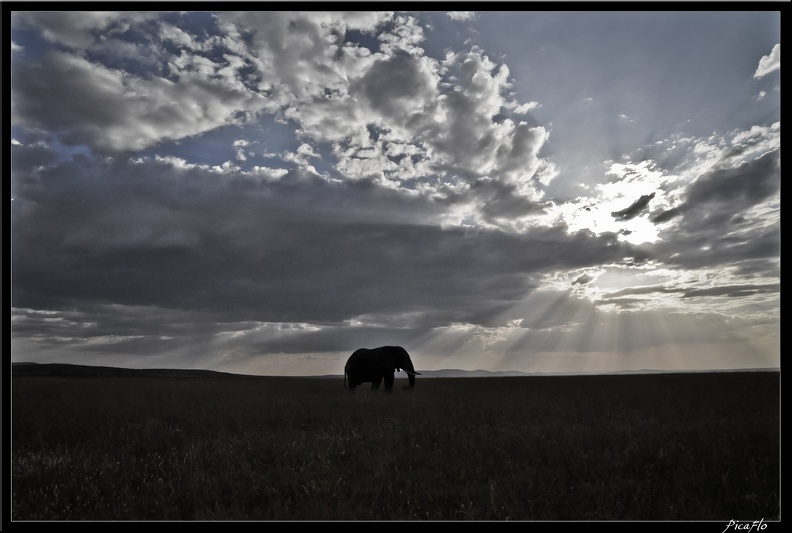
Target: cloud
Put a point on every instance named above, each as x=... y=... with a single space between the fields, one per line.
x=634 y=209
x=769 y=63
x=501 y=200
x=433 y=120
x=734 y=290
x=728 y=217
x=721 y=195
x=582 y=280
x=402 y=116
x=525 y=108
x=461 y=15
x=74 y=29
x=114 y=111
x=299 y=248
x=397 y=87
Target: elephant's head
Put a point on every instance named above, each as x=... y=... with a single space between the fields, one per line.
x=402 y=361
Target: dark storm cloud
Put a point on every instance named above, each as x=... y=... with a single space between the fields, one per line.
x=502 y=200
x=745 y=184
x=714 y=225
x=734 y=290
x=720 y=194
x=667 y=215
x=634 y=209
x=243 y=249
x=641 y=290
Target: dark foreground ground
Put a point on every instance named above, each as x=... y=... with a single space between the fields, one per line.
x=680 y=447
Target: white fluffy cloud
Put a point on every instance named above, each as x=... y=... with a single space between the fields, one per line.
x=769 y=63
x=114 y=111
x=432 y=119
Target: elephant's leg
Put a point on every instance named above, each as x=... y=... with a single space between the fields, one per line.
x=389 y=382
x=375 y=383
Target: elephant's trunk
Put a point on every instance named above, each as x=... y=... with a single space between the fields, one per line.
x=411 y=373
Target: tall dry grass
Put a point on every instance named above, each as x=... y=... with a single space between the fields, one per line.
x=657 y=447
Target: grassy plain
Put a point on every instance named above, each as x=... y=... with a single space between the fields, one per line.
x=681 y=447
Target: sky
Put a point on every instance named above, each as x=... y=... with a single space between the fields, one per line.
x=265 y=192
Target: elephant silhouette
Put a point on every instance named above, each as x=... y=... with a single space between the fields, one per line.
x=377 y=364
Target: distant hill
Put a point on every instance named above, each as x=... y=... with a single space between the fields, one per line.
x=72 y=370
x=457 y=373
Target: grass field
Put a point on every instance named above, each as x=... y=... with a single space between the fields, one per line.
x=647 y=447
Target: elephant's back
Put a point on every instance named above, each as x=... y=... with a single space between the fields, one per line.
x=359 y=354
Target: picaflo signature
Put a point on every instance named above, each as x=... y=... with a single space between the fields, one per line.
x=736 y=525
